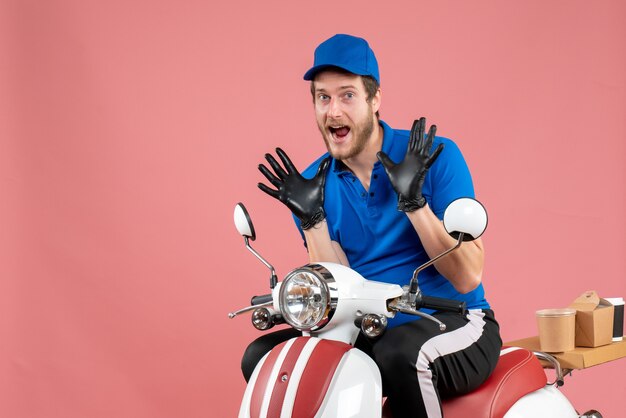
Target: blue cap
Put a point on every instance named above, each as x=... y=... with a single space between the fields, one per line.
x=346 y=52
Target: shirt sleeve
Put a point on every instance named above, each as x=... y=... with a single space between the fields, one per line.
x=449 y=178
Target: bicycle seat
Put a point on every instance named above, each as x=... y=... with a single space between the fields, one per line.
x=517 y=374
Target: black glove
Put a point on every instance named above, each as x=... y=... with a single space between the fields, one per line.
x=304 y=197
x=407 y=177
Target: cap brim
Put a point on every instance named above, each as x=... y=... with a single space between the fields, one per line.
x=310 y=75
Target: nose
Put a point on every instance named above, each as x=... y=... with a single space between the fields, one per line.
x=334 y=108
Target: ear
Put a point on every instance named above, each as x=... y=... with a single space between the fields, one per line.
x=376 y=101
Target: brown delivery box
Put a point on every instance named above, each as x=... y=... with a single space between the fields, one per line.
x=594 y=320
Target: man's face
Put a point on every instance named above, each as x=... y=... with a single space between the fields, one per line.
x=344 y=116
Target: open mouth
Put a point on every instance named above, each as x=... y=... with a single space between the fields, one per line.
x=339 y=132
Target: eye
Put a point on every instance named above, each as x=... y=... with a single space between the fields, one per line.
x=349 y=95
x=322 y=97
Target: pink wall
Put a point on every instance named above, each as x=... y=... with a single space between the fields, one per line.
x=129 y=129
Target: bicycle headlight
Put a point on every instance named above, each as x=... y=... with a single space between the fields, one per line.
x=306 y=301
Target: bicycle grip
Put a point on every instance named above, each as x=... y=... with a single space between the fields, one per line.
x=258 y=300
x=441 y=304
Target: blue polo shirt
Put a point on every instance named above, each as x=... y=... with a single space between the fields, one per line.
x=379 y=241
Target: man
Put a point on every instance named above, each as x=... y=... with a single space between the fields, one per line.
x=374 y=202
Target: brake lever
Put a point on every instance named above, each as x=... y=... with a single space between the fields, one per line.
x=400 y=306
x=231 y=315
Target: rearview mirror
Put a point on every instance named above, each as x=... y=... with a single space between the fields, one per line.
x=243 y=222
x=465 y=215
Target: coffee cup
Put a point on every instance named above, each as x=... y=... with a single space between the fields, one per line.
x=556 y=329
x=618 y=317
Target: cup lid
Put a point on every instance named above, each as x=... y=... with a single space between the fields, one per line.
x=615 y=301
x=556 y=312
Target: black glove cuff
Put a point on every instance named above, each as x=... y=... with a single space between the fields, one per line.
x=318 y=217
x=411 y=205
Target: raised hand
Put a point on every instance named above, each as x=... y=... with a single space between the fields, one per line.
x=407 y=177
x=305 y=198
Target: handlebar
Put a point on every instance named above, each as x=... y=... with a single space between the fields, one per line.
x=440 y=304
x=259 y=300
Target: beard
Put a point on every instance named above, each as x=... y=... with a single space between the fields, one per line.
x=361 y=133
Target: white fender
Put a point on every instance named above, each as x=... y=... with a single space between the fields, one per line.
x=353 y=389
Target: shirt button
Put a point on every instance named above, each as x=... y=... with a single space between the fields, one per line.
x=371 y=193
x=375 y=176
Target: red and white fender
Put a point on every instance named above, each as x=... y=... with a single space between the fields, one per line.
x=312 y=377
